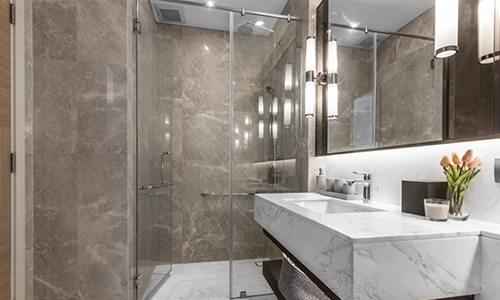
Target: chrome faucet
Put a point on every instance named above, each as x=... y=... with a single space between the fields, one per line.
x=367 y=184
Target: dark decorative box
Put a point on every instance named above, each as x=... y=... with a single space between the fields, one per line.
x=413 y=194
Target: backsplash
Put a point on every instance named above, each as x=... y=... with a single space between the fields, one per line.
x=390 y=167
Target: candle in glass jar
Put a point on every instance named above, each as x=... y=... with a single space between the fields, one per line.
x=436 y=209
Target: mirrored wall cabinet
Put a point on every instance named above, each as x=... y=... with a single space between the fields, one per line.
x=389 y=74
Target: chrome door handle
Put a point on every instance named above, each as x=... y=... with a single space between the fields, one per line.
x=162 y=156
x=155 y=186
x=225 y=195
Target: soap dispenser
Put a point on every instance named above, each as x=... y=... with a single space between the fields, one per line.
x=320 y=181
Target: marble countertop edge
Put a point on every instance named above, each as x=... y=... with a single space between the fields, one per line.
x=369 y=227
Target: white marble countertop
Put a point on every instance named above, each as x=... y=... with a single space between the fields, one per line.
x=383 y=226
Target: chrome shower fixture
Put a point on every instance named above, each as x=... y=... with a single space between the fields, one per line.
x=247 y=30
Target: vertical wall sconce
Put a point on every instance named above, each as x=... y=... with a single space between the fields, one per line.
x=333 y=90
x=310 y=76
x=287 y=113
x=446 y=27
x=275 y=106
x=288 y=77
x=275 y=130
x=261 y=129
x=488 y=26
x=261 y=105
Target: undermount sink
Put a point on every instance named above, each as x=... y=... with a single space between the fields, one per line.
x=332 y=206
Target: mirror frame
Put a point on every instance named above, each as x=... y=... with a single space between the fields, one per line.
x=321 y=131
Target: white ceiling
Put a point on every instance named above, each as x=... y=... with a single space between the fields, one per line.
x=389 y=15
x=202 y=17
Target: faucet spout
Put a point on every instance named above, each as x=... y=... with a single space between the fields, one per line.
x=367 y=183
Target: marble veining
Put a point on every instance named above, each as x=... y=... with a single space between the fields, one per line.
x=79 y=83
x=380 y=255
x=210 y=280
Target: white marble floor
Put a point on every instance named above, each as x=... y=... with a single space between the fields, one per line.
x=210 y=281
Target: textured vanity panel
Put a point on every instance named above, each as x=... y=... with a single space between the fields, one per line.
x=490 y=264
x=325 y=255
x=425 y=269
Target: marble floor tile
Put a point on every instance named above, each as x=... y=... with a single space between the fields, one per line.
x=210 y=281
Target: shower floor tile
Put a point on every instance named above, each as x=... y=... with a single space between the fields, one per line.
x=210 y=281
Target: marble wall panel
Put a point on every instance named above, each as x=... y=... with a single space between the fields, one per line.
x=489 y=268
x=81 y=78
x=426 y=262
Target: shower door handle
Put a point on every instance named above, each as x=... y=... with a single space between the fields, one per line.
x=155 y=186
x=162 y=175
x=225 y=195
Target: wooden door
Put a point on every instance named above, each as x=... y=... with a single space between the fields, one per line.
x=5 y=148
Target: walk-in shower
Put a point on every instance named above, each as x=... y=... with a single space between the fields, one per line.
x=210 y=81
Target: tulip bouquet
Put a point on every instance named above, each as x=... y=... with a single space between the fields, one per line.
x=459 y=173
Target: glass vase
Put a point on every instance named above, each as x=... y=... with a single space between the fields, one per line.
x=459 y=206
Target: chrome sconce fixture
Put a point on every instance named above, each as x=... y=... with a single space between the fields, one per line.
x=333 y=89
x=329 y=79
x=310 y=77
x=446 y=27
x=488 y=31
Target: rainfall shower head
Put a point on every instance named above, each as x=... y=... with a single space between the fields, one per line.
x=247 y=30
x=270 y=90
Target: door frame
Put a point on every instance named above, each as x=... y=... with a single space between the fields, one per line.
x=18 y=93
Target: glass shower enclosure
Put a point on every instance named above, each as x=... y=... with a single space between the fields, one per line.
x=218 y=120
x=153 y=160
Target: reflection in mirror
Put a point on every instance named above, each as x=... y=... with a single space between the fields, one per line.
x=274 y=94
x=392 y=91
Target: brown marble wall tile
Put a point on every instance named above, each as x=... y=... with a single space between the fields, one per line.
x=56 y=273
x=81 y=137
x=102 y=37
x=55 y=212
x=102 y=271
x=55 y=29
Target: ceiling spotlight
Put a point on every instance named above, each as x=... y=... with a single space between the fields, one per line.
x=259 y=23
x=210 y=3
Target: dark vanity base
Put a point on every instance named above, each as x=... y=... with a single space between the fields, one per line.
x=272 y=269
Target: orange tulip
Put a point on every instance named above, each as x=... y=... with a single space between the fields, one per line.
x=445 y=161
x=456 y=158
x=468 y=156
x=476 y=162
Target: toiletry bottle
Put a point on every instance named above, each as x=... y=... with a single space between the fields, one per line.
x=320 y=181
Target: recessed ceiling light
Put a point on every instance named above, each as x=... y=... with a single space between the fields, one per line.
x=259 y=23
x=210 y=3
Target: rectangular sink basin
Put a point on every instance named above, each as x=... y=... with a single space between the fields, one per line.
x=332 y=206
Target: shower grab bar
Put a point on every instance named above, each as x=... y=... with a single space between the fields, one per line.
x=155 y=186
x=225 y=195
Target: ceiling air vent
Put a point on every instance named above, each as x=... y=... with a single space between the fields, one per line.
x=167 y=13
x=170 y=15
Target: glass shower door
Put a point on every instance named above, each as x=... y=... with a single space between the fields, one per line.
x=154 y=162
x=265 y=124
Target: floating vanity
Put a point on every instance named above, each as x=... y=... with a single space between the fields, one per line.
x=373 y=251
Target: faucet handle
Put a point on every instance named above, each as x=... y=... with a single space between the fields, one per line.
x=366 y=176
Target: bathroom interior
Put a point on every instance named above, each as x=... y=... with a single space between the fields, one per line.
x=250 y=149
